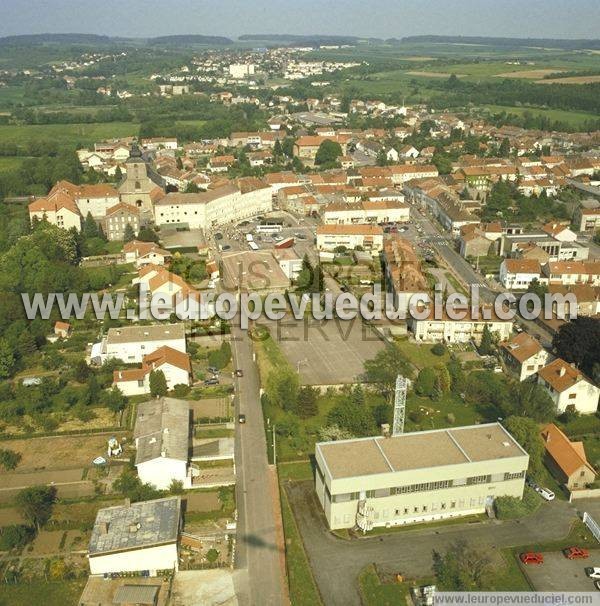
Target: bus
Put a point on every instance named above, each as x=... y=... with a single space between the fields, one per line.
x=253 y=245
x=269 y=229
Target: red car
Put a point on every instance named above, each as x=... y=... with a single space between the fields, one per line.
x=531 y=557
x=576 y=553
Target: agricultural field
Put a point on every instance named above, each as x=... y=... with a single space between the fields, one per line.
x=65 y=134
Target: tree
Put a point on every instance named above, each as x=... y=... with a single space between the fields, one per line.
x=486 y=347
x=212 y=555
x=536 y=287
x=17 y=535
x=176 y=487
x=36 y=504
x=462 y=568
x=7 y=359
x=529 y=400
x=504 y=149
x=384 y=368
x=439 y=349
x=131 y=487
x=147 y=235
x=282 y=388
x=526 y=432
x=425 y=383
x=115 y=400
x=353 y=416
x=328 y=153
x=578 y=341
x=307 y=402
x=9 y=459
x=158 y=383
x=81 y=371
x=129 y=233
x=219 y=358
x=332 y=433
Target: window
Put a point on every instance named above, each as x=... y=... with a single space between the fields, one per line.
x=479 y=480
x=514 y=476
x=443 y=506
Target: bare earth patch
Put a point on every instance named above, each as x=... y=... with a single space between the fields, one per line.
x=529 y=74
x=434 y=74
x=571 y=80
x=56 y=452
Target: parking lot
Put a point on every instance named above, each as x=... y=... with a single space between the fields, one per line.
x=325 y=353
x=559 y=574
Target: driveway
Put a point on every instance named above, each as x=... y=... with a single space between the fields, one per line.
x=336 y=563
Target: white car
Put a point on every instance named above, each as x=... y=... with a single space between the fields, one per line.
x=593 y=573
x=546 y=494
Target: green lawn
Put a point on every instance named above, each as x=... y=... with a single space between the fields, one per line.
x=57 y=593
x=375 y=593
x=303 y=589
x=423 y=413
x=420 y=354
x=295 y=470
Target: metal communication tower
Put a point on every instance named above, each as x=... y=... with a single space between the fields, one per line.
x=399 y=405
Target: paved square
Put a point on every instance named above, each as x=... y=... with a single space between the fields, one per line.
x=329 y=352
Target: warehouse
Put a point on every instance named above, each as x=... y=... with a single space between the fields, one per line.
x=137 y=537
x=417 y=477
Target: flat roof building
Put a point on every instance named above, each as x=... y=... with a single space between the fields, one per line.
x=136 y=537
x=417 y=477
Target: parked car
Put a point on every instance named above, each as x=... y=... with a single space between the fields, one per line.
x=239 y=372
x=241 y=418
x=576 y=553
x=593 y=572
x=213 y=369
x=212 y=381
x=532 y=557
x=545 y=493
x=224 y=247
x=218 y=236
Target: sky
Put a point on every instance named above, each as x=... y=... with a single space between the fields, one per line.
x=370 y=18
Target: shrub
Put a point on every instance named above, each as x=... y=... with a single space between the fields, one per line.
x=439 y=349
x=17 y=535
x=9 y=459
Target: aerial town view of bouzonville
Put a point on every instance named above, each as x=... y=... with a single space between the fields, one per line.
x=299 y=319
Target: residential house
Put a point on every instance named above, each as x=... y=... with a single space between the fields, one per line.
x=569 y=388
x=175 y=365
x=162 y=440
x=517 y=274
x=118 y=217
x=145 y=253
x=523 y=355
x=567 y=460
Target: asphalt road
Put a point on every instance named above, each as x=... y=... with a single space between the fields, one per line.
x=258 y=577
x=336 y=563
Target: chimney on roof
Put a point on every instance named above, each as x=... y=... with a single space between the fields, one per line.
x=103 y=527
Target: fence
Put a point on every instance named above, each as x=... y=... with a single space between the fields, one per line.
x=592 y=525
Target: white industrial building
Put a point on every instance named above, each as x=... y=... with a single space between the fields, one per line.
x=445 y=329
x=366 y=235
x=137 y=537
x=229 y=203
x=132 y=343
x=384 y=211
x=417 y=477
x=162 y=439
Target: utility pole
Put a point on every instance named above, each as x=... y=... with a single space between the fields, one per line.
x=274 y=448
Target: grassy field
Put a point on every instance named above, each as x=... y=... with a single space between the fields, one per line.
x=303 y=589
x=58 y=593
x=567 y=116
x=10 y=163
x=421 y=355
x=375 y=593
x=66 y=134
